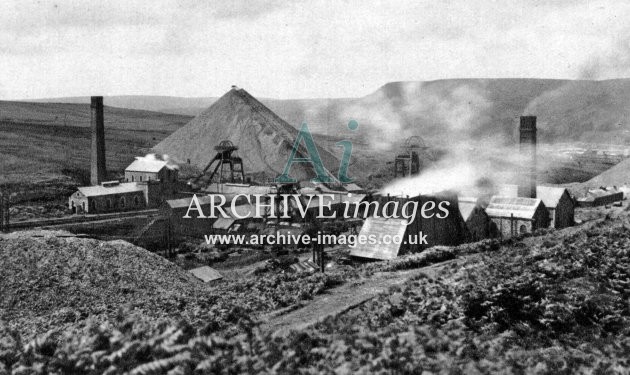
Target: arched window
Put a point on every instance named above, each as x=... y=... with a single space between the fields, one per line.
x=122 y=202
x=93 y=206
x=136 y=201
x=523 y=229
x=132 y=178
x=140 y=178
x=108 y=203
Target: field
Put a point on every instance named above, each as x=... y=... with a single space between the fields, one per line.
x=555 y=302
x=48 y=141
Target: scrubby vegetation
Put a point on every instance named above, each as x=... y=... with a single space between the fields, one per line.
x=552 y=304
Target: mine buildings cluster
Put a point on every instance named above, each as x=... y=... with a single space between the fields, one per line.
x=153 y=182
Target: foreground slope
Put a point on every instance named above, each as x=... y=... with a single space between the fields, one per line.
x=550 y=304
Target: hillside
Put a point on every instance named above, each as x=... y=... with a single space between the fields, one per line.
x=165 y=104
x=592 y=111
x=68 y=272
x=616 y=176
x=554 y=302
x=446 y=113
x=47 y=140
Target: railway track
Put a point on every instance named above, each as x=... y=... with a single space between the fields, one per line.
x=77 y=219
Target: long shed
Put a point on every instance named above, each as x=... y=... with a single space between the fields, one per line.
x=514 y=215
x=600 y=197
x=449 y=230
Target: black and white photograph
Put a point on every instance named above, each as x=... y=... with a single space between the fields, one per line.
x=314 y=187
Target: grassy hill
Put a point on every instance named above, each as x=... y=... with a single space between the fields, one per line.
x=616 y=176
x=592 y=111
x=477 y=113
x=39 y=141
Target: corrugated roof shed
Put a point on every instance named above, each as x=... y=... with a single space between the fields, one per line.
x=602 y=192
x=520 y=208
x=206 y=274
x=380 y=227
x=146 y=165
x=307 y=265
x=99 y=190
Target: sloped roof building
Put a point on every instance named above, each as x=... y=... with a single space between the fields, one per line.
x=560 y=205
x=477 y=220
x=514 y=215
x=557 y=200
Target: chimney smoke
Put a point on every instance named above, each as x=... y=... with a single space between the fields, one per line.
x=527 y=138
x=98 y=171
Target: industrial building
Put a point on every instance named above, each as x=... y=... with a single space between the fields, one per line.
x=600 y=197
x=522 y=208
x=477 y=220
x=515 y=215
x=450 y=230
x=176 y=209
x=110 y=196
x=150 y=169
x=558 y=201
x=148 y=180
x=560 y=205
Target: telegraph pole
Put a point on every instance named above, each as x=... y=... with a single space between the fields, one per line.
x=4 y=212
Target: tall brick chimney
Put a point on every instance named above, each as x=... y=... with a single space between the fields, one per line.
x=98 y=172
x=527 y=130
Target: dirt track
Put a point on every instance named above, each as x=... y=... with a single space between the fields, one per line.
x=342 y=299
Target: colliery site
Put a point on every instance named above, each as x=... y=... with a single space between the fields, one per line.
x=150 y=204
x=118 y=240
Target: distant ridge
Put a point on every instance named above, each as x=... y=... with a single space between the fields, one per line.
x=264 y=139
x=475 y=108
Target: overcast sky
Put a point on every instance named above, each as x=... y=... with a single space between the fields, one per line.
x=299 y=49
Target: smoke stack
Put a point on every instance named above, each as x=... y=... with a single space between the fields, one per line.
x=527 y=187
x=98 y=141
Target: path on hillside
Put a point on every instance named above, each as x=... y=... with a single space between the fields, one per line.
x=354 y=293
x=343 y=298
